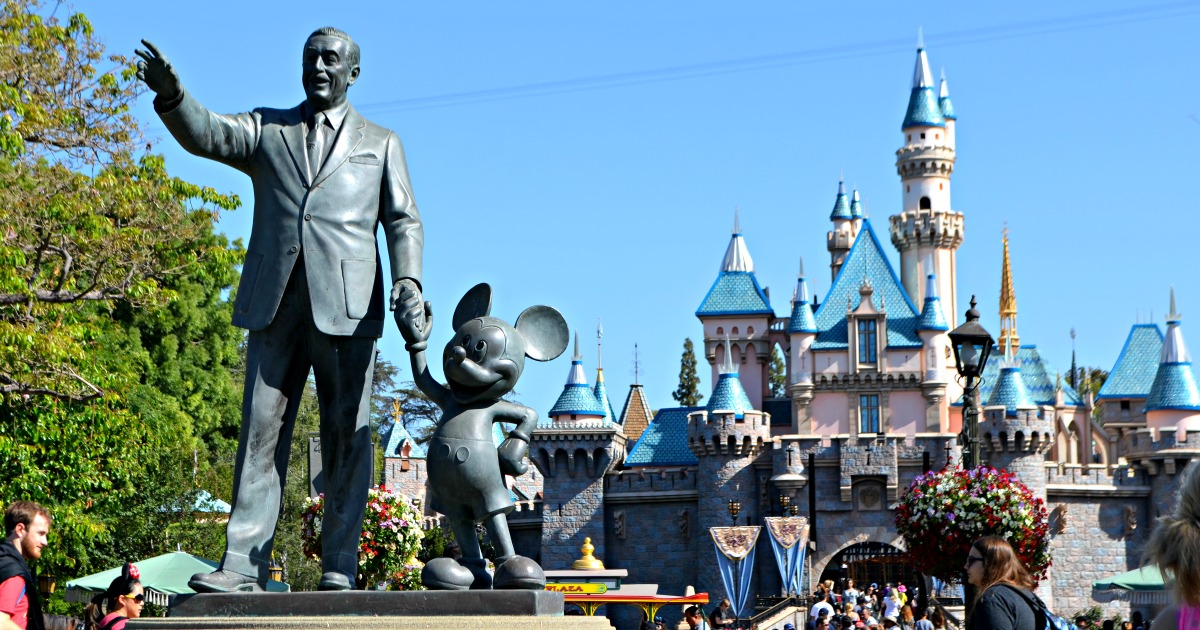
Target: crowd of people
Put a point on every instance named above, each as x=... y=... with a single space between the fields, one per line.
x=892 y=605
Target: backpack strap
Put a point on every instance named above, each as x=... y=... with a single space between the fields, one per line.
x=111 y=622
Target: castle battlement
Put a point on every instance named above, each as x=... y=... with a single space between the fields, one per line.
x=1059 y=474
x=651 y=480
x=1151 y=442
x=928 y=227
x=722 y=432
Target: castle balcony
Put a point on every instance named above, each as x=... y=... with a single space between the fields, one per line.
x=933 y=228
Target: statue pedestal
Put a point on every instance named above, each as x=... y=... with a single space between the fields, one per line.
x=433 y=610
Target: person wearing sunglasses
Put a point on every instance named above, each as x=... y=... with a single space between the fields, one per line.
x=999 y=578
x=121 y=602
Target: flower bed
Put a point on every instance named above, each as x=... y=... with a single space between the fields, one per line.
x=391 y=538
x=944 y=511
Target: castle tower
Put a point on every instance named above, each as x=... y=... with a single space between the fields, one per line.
x=573 y=453
x=927 y=232
x=1174 y=400
x=1008 y=306
x=738 y=308
x=802 y=332
x=932 y=328
x=1015 y=434
x=726 y=437
x=845 y=229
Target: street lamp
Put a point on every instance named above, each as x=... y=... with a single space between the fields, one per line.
x=972 y=345
x=734 y=508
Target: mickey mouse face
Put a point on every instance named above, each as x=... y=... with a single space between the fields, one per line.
x=476 y=362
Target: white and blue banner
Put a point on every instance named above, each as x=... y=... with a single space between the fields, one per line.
x=789 y=541
x=735 y=559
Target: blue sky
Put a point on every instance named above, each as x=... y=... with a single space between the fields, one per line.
x=606 y=145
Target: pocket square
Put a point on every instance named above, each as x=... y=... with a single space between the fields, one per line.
x=365 y=158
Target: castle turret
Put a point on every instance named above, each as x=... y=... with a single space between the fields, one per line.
x=726 y=437
x=1174 y=400
x=932 y=328
x=840 y=239
x=802 y=332
x=927 y=232
x=738 y=308
x=573 y=453
x=1015 y=433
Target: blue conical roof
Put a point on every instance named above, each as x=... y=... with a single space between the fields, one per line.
x=1010 y=391
x=841 y=205
x=856 y=210
x=802 y=320
x=577 y=398
x=729 y=395
x=944 y=100
x=736 y=290
x=601 y=394
x=923 y=109
x=1174 y=384
x=931 y=313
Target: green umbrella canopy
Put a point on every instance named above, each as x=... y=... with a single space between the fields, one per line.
x=163 y=575
x=1147 y=578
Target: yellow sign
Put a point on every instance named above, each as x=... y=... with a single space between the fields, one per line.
x=586 y=588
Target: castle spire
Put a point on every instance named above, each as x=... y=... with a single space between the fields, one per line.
x=841 y=206
x=1174 y=384
x=944 y=99
x=931 y=312
x=923 y=109
x=600 y=391
x=728 y=393
x=577 y=398
x=1009 y=339
x=737 y=256
x=802 y=312
x=856 y=210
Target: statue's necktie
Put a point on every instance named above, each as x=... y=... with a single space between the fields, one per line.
x=315 y=143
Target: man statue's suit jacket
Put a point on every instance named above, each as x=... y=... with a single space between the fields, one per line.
x=330 y=221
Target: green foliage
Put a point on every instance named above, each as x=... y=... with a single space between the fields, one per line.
x=778 y=375
x=688 y=392
x=118 y=366
x=1094 y=618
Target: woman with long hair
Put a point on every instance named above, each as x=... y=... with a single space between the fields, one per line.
x=1174 y=546
x=121 y=602
x=1002 y=587
x=906 y=617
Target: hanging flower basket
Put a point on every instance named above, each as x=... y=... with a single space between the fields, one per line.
x=391 y=538
x=945 y=511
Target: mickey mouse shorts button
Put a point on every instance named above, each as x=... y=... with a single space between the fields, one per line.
x=462 y=454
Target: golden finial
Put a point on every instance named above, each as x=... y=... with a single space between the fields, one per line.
x=588 y=562
x=1008 y=305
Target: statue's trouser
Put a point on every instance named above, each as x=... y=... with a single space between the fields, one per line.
x=277 y=364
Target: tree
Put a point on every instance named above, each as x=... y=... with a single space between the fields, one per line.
x=688 y=392
x=778 y=377
x=84 y=220
x=116 y=356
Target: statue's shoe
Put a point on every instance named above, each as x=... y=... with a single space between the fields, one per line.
x=444 y=574
x=334 y=581
x=519 y=572
x=224 y=582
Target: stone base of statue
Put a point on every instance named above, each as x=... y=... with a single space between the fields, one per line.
x=433 y=610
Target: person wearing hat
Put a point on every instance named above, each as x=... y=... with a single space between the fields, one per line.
x=789 y=626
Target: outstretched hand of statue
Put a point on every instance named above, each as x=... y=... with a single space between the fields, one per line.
x=157 y=73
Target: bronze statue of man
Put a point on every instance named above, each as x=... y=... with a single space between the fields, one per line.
x=311 y=292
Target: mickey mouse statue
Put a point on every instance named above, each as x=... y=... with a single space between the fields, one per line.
x=466 y=471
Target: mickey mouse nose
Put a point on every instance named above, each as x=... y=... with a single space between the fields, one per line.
x=458 y=354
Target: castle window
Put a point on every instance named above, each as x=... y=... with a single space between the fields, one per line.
x=925 y=203
x=939 y=186
x=908 y=189
x=868 y=413
x=866 y=341
x=937 y=136
x=922 y=136
x=910 y=137
x=720 y=330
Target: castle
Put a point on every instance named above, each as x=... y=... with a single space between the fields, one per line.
x=871 y=402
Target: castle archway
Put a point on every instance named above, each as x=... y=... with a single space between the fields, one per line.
x=870 y=562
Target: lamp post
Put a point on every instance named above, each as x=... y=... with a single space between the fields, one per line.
x=734 y=508
x=784 y=502
x=972 y=345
